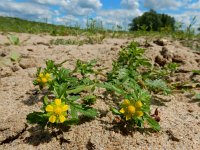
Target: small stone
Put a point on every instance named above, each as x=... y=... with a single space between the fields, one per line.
x=166 y=53
x=161 y=42
x=2 y=54
x=190 y=110
x=15 y=68
x=27 y=63
x=178 y=59
x=160 y=60
x=113 y=49
x=30 y=50
x=172 y=136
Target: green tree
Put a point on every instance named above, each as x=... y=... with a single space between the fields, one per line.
x=152 y=21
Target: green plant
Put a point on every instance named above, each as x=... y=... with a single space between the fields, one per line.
x=14 y=39
x=15 y=56
x=128 y=81
x=65 y=108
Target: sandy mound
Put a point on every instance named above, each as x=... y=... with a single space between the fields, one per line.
x=180 y=115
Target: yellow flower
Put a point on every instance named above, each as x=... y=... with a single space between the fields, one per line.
x=43 y=78
x=130 y=110
x=57 y=111
x=138 y=104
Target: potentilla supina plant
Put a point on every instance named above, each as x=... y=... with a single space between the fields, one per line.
x=131 y=110
x=57 y=111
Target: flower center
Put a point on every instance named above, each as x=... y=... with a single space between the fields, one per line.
x=44 y=80
x=58 y=110
x=131 y=109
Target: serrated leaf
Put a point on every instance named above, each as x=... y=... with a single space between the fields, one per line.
x=109 y=86
x=71 y=122
x=37 y=118
x=79 y=89
x=14 y=39
x=115 y=111
x=60 y=90
x=15 y=56
x=84 y=110
x=45 y=101
x=73 y=98
x=154 y=124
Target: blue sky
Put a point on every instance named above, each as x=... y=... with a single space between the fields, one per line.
x=110 y=12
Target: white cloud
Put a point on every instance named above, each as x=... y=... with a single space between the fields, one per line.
x=130 y=4
x=24 y=10
x=68 y=20
x=195 y=5
x=52 y=2
x=162 y=4
x=120 y=17
x=94 y=4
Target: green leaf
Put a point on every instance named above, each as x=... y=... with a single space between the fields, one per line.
x=197 y=96
x=71 y=122
x=73 y=98
x=79 y=89
x=37 y=118
x=89 y=99
x=14 y=39
x=45 y=102
x=60 y=90
x=115 y=111
x=154 y=124
x=15 y=56
x=84 y=110
x=196 y=72
x=158 y=85
x=111 y=87
x=73 y=112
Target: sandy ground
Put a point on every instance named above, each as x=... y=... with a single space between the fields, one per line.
x=179 y=112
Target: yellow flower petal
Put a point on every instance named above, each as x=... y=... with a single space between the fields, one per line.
x=52 y=118
x=49 y=108
x=122 y=111
x=47 y=75
x=131 y=109
x=65 y=108
x=126 y=102
x=128 y=117
x=139 y=113
x=138 y=104
x=62 y=118
x=44 y=80
x=58 y=102
x=41 y=75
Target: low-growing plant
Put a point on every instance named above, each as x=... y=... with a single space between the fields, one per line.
x=14 y=39
x=131 y=81
x=15 y=56
x=66 y=107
